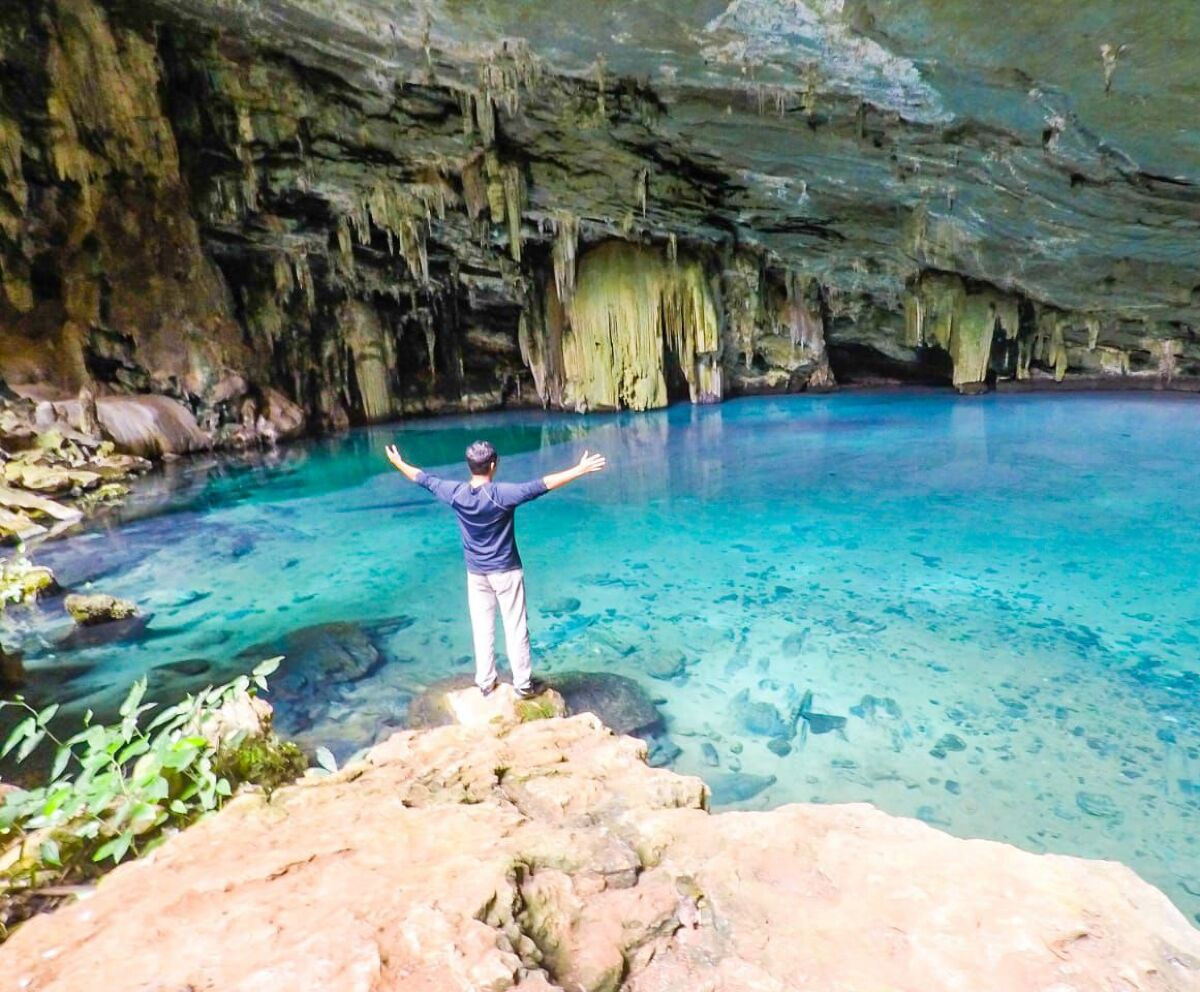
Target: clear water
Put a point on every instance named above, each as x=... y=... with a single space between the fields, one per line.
x=1013 y=579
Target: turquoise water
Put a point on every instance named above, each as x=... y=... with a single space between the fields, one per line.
x=991 y=600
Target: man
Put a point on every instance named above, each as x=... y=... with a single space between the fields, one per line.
x=494 y=573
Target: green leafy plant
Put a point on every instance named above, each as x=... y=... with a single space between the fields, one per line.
x=116 y=790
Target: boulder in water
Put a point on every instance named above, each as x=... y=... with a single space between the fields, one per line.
x=315 y=659
x=92 y=610
x=322 y=654
x=619 y=702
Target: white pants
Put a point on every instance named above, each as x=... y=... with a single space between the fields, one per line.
x=483 y=593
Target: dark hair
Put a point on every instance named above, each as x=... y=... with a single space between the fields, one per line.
x=481 y=456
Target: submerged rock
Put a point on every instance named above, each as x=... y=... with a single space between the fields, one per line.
x=870 y=707
x=759 y=718
x=98 y=608
x=1098 y=805
x=619 y=701
x=559 y=607
x=736 y=787
x=323 y=654
x=661 y=751
x=664 y=666
x=823 y=723
x=947 y=743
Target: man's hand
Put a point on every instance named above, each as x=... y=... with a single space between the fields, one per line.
x=588 y=464
x=393 y=456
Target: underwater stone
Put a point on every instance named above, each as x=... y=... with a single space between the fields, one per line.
x=871 y=706
x=710 y=754
x=947 y=743
x=664 y=667
x=189 y=667
x=736 y=787
x=617 y=700
x=559 y=607
x=761 y=719
x=662 y=751
x=823 y=723
x=779 y=746
x=1096 y=804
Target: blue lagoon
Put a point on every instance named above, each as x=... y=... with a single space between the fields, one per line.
x=981 y=612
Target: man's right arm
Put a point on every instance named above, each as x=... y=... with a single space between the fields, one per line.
x=588 y=464
x=393 y=455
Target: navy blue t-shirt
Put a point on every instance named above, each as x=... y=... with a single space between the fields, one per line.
x=485 y=518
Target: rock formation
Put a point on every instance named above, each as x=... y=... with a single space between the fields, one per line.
x=369 y=212
x=546 y=855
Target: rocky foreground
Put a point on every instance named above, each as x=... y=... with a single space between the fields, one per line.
x=545 y=855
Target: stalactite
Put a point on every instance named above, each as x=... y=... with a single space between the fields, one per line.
x=345 y=245
x=743 y=299
x=475 y=191
x=566 y=243
x=12 y=179
x=631 y=308
x=598 y=71
x=514 y=206
x=430 y=341
x=374 y=357
x=495 y=186
x=941 y=311
x=304 y=280
x=403 y=215
x=1049 y=343
x=540 y=334
x=466 y=109
x=642 y=189
x=1167 y=350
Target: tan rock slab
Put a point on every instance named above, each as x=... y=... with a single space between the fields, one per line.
x=547 y=855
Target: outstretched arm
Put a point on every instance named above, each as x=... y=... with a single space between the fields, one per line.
x=393 y=455
x=587 y=465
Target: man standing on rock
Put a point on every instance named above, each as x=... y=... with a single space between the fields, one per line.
x=485 y=511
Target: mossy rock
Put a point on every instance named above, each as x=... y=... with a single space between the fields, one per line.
x=262 y=760
x=542 y=707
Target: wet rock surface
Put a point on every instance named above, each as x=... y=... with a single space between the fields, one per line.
x=546 y=856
